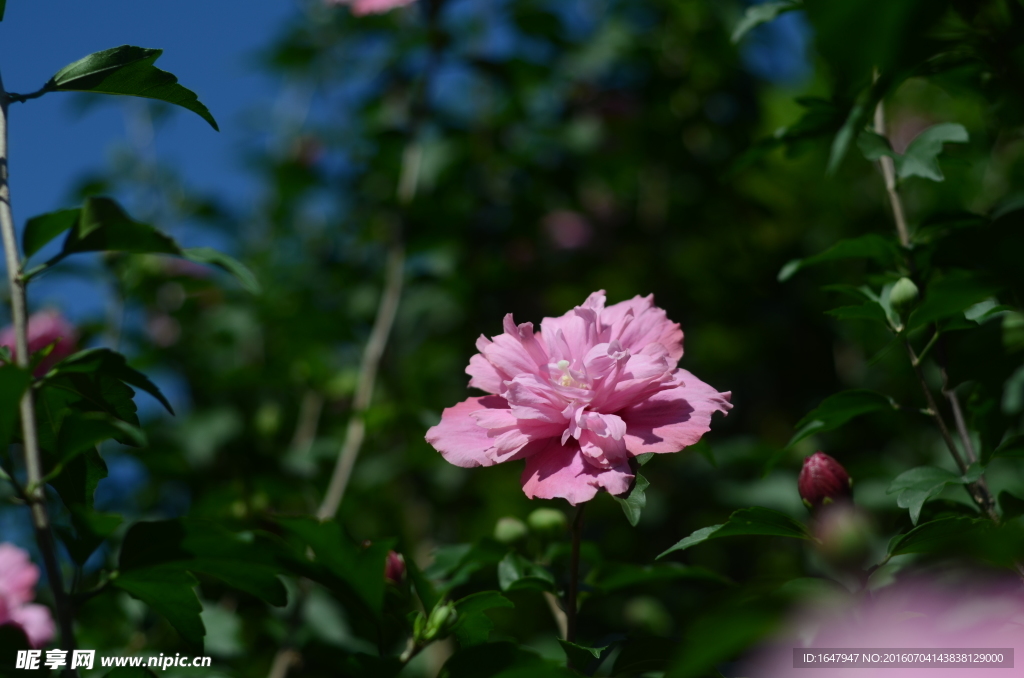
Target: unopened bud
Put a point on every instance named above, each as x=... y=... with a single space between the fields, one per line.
x=903 y=296
x=509 y=530
x=441 y=619
x=547 y=522
x=844 y=535
x=394 y=568
x=823 y=481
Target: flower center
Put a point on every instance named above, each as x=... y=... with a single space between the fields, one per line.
x=569 y=378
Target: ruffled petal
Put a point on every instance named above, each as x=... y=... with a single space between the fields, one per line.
x=484 y=376
x=459 y=439
x=36 y=622
x=559 y=471
x=637 y=322
x=675 y=418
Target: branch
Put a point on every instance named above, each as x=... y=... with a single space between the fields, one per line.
x=889 y=172
x=22 y=98
x=30 y=439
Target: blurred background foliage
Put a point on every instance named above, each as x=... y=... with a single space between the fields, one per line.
x=563 y=147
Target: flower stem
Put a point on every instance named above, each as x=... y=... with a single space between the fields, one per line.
x=574 y=576
x=30 y=439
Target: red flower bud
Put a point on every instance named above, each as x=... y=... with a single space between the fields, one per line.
x=394 y=568
x=823 y=480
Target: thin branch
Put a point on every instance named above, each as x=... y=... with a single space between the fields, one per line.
x=574 y=576
x=889 y=172
x=22 y=98
x=30 y=440
x=308 y=421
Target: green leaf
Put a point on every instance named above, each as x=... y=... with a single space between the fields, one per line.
x=494 y=660
x=13 y=383
x=951 y=295
x=516 y=573
x=103 y=226
x=424 y=588
x=210 y=256
x=1013 y=446
x=88 y=529
x=104 y=362
x=169 y=591
x=582 y=658
x=202 y=547
x=869 y=246
x=932 y=535
x=128 y=70
x=920 y=484
x=874 y=146
x=635 y=501
x=82 y=431
x=472 y=626
x=3 y=8
x=760 y=14
x=641 y=656
x=867 y=311
x=42 y=229
x=749 y=521
x=361 y=568
x=719 y=636
x=611 y=577
x=76 y=485
x=837 y=410
x=921 y=158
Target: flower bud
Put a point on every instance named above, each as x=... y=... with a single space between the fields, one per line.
x=441 y=619
x=903 y=296
x=547 y=522
x=843 y=533
x=509 y=530
x=822 y=481
x=394 y=568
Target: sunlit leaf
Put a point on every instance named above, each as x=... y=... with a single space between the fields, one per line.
x=635 y=501
x=839 y=409
x=921 y=158
x=210 y=256
x=129 y=71
x=760 y=14
x=42 y=229
x=918 y=485
x=749 y=521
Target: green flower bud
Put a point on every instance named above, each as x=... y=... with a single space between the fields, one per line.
x=509 y=530
x=904 y=295
x=441 y=619
x=548 y=522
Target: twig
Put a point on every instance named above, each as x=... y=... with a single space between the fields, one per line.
x=309 y=418
x=574 y=575
x=889 y=172
x=557 y=613
x=30 y=440
x=22 y=98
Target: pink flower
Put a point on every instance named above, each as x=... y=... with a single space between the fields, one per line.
x=45 y=328
x=394 y=568
x=579 y=399
x=18 y=577
x=963 y=612
x=822 y=481
x=364 y=7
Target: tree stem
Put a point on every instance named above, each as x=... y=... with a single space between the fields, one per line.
x=33 y=459
x=889 y=172
x=574 y=576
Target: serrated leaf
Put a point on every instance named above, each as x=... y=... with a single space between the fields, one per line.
x=760 y=14
x=756 y=520
x=104 y=362
x=635 y=501
x=13 y=383
x=472 y=626
x=210 y=256
x=169 y=591
x=921 y=158
x=869 y=246
x=81 y=432
x=837 y=410
x=516 y=573
x=103 y=226
x=128 y=70
x=919 y=485
x=40 y=230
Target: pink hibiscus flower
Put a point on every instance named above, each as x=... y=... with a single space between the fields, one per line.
x=45 y=328
x=579 y=399
x=18 y=577
x=364 y=7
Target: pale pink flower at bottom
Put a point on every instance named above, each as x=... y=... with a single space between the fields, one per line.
x=579 y=399
x=926 y=614
x=45 y=328
x=18 y=577
x=364 y=7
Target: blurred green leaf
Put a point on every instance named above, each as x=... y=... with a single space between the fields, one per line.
x=635 y=501
x=516 y=573
x=504 y=660
x=42 y=229
x=882 y=250
x=582 y=658
x=837 y=410
x=13 y=383
x=82 y=432
x=77 y=483
x=921 y=158
x=1013 y=446
x=952 y=294
x=473 y=627
x=103 y=226
x=1012 y=506
x=210 y=256
x=867 y=311
x=641 y=656
x=720 y=636
x=760 y=14
x=749 y=521
x=874 y=146
x=610 y=577
x=920 y=484
x=168 y=590
x=102 y=362
x=424 y=588
x=128 y=70
x=88 y=529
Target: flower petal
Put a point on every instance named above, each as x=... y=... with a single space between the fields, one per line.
x=675 y=418
x=36 y=622
x=637 y=322
x=559 y=471
x=459 y=439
